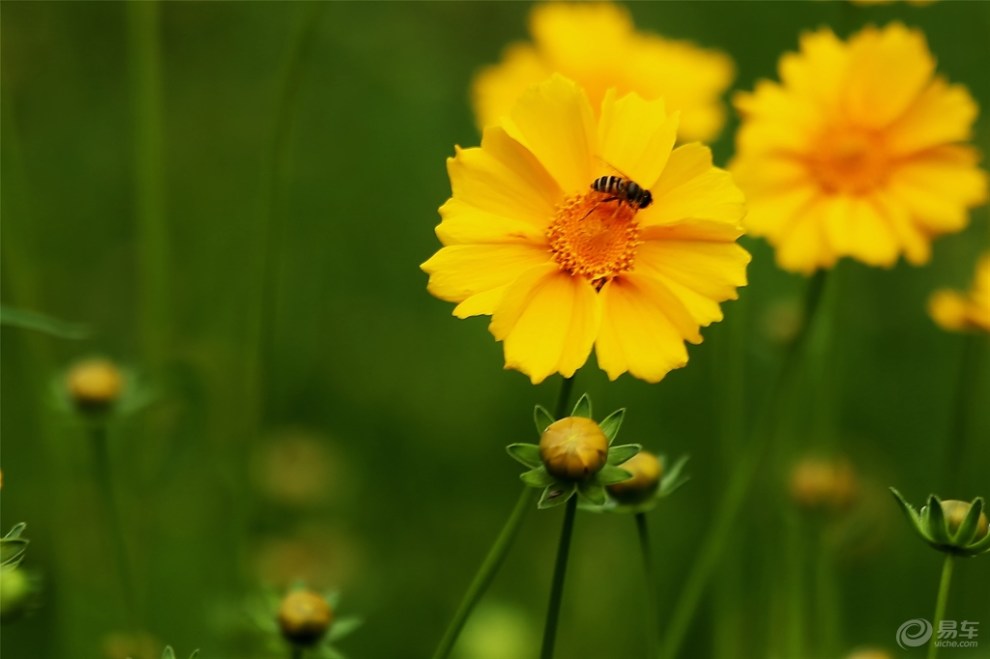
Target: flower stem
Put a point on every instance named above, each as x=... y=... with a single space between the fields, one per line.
x=943 y=598
x=496 y=555
x=827 y=619
x=152 y=225
x=737 y=489
x=104 y=479
x=295 y=652
x=652 y=609
x=557 y=587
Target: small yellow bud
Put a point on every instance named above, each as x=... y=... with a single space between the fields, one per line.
x=646 y=470
x=955 y=512
x=818 y=483
x=304 y=617
x=94 y=384
x=573 y=448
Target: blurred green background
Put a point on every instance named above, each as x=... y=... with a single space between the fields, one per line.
x=318 y=415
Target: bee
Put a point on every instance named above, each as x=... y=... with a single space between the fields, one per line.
x=623 y=190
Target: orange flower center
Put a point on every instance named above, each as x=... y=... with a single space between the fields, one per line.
x=849 y=160
x=593 y=238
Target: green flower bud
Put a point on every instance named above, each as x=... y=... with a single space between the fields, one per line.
x=304 y=617
x=17 y=593
x=94 y=384
x=573 y=448
x=646 y=470
x=954 y=527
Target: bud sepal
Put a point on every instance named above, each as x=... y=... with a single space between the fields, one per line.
x=955 y=527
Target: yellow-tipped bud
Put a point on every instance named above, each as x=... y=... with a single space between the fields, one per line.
x=94 y=384
x=821 y=484
x=573 y=448
x=955 y=512
x=304 y=617
x=646 y=470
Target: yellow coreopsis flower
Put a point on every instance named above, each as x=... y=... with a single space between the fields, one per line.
x=597 y=46
x=958 y=312
x=562 y=267
x=857 y=152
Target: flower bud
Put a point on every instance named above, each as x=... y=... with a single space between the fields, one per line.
x=955 y=512
x=304 y=617
x=94 y=384
x=17 y=593
x=646 y=470
x=821 y=484
x=573 y=448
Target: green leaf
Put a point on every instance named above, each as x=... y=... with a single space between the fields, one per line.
x=343 y=627
x=538 y=477
x=594 y=492
x=527 y=454
x=554 y=495
x=970 y=524
x=619 y=454
x=611 y=474
x=934 y=521
x=13 y=546
x=41 y=323
x=195 y=653
x=610 y=426
x=583 y=407
x=169 y=653
x=542 y=418
x=15 y=531
x=979 y=547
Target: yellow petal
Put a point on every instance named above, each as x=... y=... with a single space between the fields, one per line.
x=940 y=186
x=690 y=187
x=554 y=121
x=502 y=178
x=581 y=36
x=802 y=245
x=636 y=137
x=818 y=72
x=888 y=69
x=459 y=271
x=547 y=321
x=948 y=310
x=776 y=120
x=701 y=274
x=941 y=114
x=769 y=213
x=497 y=88
x=854 y=228
x=914 y=240
x=636 y=334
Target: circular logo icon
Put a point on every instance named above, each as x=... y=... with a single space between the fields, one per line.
x=913 y=633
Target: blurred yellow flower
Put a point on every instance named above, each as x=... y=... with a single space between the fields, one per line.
x=957 y=312
x=857 y=152
x=597 y=46
x=561 y=267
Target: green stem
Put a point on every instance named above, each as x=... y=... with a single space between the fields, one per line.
x=496 y=555
x=827 y=616
x=794 y=587
x=557 y=587
x=104 y=480
x=943 y=598
x=144 y=45
x=493 y=561
x=737 y=489
x=652 y=608
x=296 y=652
x=274 y=209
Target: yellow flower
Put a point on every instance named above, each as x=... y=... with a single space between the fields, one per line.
x=857 y=152
x=958 y=312
x=561 y=267
x=596 y=45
